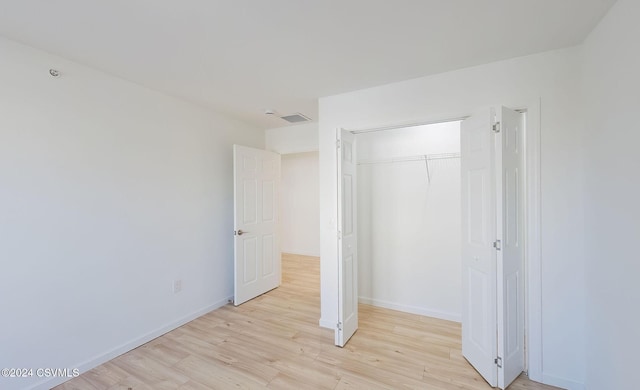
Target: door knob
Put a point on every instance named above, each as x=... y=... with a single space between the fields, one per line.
x=240 y=232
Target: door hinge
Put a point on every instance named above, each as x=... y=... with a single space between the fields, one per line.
x=498 y=362
x=339 y=235
x=496 y=127
x=498 y=245
x=338 y=144
x=339 y=326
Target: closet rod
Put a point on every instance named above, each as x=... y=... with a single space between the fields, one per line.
x=424 y=157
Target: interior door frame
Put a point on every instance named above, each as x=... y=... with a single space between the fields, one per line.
x=532 y=225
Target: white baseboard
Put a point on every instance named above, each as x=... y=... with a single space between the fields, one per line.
x=411 y=309
x=552 y=380
x=126 y=347
x=301 y=253
x=534 y=375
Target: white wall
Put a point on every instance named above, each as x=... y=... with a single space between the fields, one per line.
x=409 y=226
x=300 y=204
x=293 y=139
x=520 y=82
x=108 y=192
x=612 y=211
x=298 y=145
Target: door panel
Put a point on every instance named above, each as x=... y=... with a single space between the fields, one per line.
x=479 y=283
x=347 y=246
x=250 y=201
x=249 y=259
x=510 y=258
x=477 y=206
x=493 y=209
x=268 y=265
x=257 y=266
x=479 y=345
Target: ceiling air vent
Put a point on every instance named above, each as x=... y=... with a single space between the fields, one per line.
x=295 y=118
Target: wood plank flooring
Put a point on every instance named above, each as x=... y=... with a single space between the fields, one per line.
x=274 y=342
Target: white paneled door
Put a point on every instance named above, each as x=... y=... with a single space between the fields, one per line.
x=492 y=245
x=347 y=239
x=257 y=263
x=479 y=342
x=510 y=256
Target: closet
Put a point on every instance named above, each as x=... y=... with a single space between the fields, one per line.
x=393 y=245
x=409 y=233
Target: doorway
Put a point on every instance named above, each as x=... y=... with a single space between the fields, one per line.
x=409 y=232
x=493 y=216
x=300 y=209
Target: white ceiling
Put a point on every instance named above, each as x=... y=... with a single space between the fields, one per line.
x=243 y=56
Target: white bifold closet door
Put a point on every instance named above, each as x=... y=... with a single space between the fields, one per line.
x=347 y=238
x=492 y=244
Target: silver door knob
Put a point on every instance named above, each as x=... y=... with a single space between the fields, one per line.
x=240 y=232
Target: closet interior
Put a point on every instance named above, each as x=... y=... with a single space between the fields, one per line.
x=408 y=196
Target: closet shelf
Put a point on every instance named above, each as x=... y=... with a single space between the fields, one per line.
x=423 y=157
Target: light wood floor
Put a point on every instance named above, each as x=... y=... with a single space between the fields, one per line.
x=274 y=341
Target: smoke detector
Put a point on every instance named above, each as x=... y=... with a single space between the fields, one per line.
x=295 y=118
